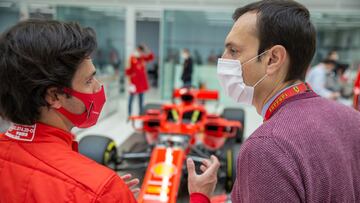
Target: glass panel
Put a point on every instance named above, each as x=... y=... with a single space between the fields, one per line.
x=203 y=33
x=339 y=31
x=109 y=25
x=9 y=15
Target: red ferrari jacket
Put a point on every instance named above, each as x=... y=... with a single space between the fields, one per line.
x=39 y=164
x=137 y=72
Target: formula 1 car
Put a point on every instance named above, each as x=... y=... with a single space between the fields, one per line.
x=173 y=132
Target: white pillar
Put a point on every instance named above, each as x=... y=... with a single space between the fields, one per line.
x=130 y=31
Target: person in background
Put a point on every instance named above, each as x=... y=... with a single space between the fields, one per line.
x=153 y=73
x=333 y=55
x=341 y=72
x=100 y=59
x=342 y=75
x=114 y=59
x=307 y=149
x=186 y=75
x=334 y=79
x=337 y=80
x=317 y=78
x=197 y=57
x=115 y=62
x=137 y=75
x=212 y=58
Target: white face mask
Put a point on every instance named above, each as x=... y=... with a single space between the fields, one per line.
x=231 y=80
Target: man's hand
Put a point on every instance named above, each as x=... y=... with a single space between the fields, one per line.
x=356 y=90
x=132 y=88
x=206 y=182
x=131 y=183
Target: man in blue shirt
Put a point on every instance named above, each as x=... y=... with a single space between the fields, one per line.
x=317 y=79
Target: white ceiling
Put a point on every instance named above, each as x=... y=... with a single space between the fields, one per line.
x=325 y=13
x=336 y=5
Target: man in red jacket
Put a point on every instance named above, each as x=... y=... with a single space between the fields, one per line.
x=138 y=82
x=48 y=86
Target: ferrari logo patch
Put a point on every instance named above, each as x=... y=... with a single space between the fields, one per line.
x=296 y=89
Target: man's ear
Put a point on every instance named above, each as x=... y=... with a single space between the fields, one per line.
x=277 y=58
x=52 y=97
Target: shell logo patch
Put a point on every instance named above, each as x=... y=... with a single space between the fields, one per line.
x=162 y=170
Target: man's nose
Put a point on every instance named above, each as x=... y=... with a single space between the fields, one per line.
x=223 y=55
x=98 y=86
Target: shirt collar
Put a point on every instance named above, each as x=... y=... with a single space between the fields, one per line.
x=268 y=103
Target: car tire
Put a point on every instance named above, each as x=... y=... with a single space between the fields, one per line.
x=235 y=114
x=100 y=149
x=231 y=160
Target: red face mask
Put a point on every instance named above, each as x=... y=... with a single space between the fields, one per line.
x=93 y=104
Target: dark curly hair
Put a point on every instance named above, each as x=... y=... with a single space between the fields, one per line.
x=36 y=55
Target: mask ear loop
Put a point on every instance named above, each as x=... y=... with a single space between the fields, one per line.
x=260 y=80
x=255 y=57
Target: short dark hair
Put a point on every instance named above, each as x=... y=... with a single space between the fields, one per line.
x=286 y=23
x=186 y=50
x=329 y=61
x=331 y=52
x=36 y=55
x=141 y=47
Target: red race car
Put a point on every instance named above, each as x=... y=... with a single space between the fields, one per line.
x=173 y=132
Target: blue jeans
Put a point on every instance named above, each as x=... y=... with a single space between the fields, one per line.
x=141 y=103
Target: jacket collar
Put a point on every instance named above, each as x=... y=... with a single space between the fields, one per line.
x=40 y=132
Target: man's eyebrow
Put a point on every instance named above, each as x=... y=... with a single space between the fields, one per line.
x=231 y=44
x=228 y=44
